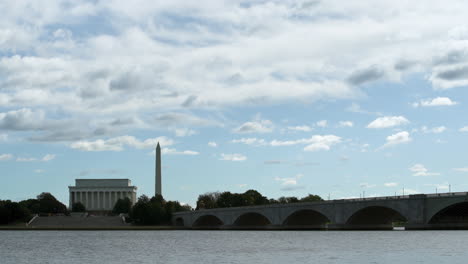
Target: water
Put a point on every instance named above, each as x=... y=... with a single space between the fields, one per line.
x=233 y=247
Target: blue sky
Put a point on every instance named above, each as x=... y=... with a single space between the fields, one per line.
x=285 y=97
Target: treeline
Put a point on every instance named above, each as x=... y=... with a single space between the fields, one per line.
x=146 y=211
x=248 y=198
x=16 y=212
x=154 y=211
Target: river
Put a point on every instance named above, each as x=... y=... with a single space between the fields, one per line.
x=233 y=247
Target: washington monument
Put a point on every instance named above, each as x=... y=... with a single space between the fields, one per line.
x=158 y=170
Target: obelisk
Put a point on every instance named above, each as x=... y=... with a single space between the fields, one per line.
x=158 y=170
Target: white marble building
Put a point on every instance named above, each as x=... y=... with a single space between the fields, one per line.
x=101 y=194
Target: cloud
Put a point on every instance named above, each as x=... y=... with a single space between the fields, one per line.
x=175 y=119
x=367 y=185
x=39 y=171
x=212 y=144
x=233 y=157
x=314 y=143
x=454 y=74
x=250 y=141
x=322 y=123
x=172 y=151
x=398 y=138
x=365 y=76
x=435 y=130
x=420 y=170
x=3 y=137
x=388 y=121
x=48 y=157
x=461 y=169
x=184 y=132
x=4 y=157
x=391 y=184
x=261 y=126
x=345 y=124
x=118 y=143
x=463 y=129
x=290 y=183
x=303 y=128
x=273 y=162
x=439 y=101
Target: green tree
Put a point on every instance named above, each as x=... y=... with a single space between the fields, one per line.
x=11 y=212
x=208 y=200
x=48 y=204
x=150 y=211
x=286 y=200
x=78 y=207
x=122 y=206
x=253 y=197
x=311 y=198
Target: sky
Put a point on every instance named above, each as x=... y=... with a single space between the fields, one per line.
x=336 y=98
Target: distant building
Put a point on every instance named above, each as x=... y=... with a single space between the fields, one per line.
x=101 y=194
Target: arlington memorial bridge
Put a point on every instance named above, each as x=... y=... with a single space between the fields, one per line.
x=420 y=211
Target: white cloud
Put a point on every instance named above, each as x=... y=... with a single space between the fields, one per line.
x=438 y=101
x=39 y=171
x=388 y=121
x=260 y=126
x=172 y=151
x=367 y=185
x=463 y=129
x=233 y=157
x=314 y=143
x=184 y=132
x=3 y=137
x=212 y=144
x=435 y=130
x=420 y=170
x=322 y=123
x=250 y=141
x=398 y=138
x=48 y=157
x=391 y=184
x=345 y=124
x=303 y=128
x=118 y=143
x=4 y=157
x=461 y=169
x=290 y=183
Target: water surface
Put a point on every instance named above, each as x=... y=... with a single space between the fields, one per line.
x=233 y=247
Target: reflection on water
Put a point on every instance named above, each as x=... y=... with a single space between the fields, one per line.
x=233 y=247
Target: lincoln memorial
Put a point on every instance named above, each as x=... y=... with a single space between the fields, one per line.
x=101 y=194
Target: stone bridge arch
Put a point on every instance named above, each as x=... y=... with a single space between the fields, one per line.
x=252 y=219
x=453 y=213
x=375 y=216
x=306 y=218
x=208 y=220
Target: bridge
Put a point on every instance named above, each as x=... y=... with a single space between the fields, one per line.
x=420 y=211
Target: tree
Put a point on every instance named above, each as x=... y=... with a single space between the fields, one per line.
x=48 y=204
x=253 y=197
x=286 y=200
x=208 y=200
x=78 y=207
x=11 y=212
x=122 y=206
x=311 y=198
x=150 y=211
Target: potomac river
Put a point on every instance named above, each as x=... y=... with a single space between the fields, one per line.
x=180 y=247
